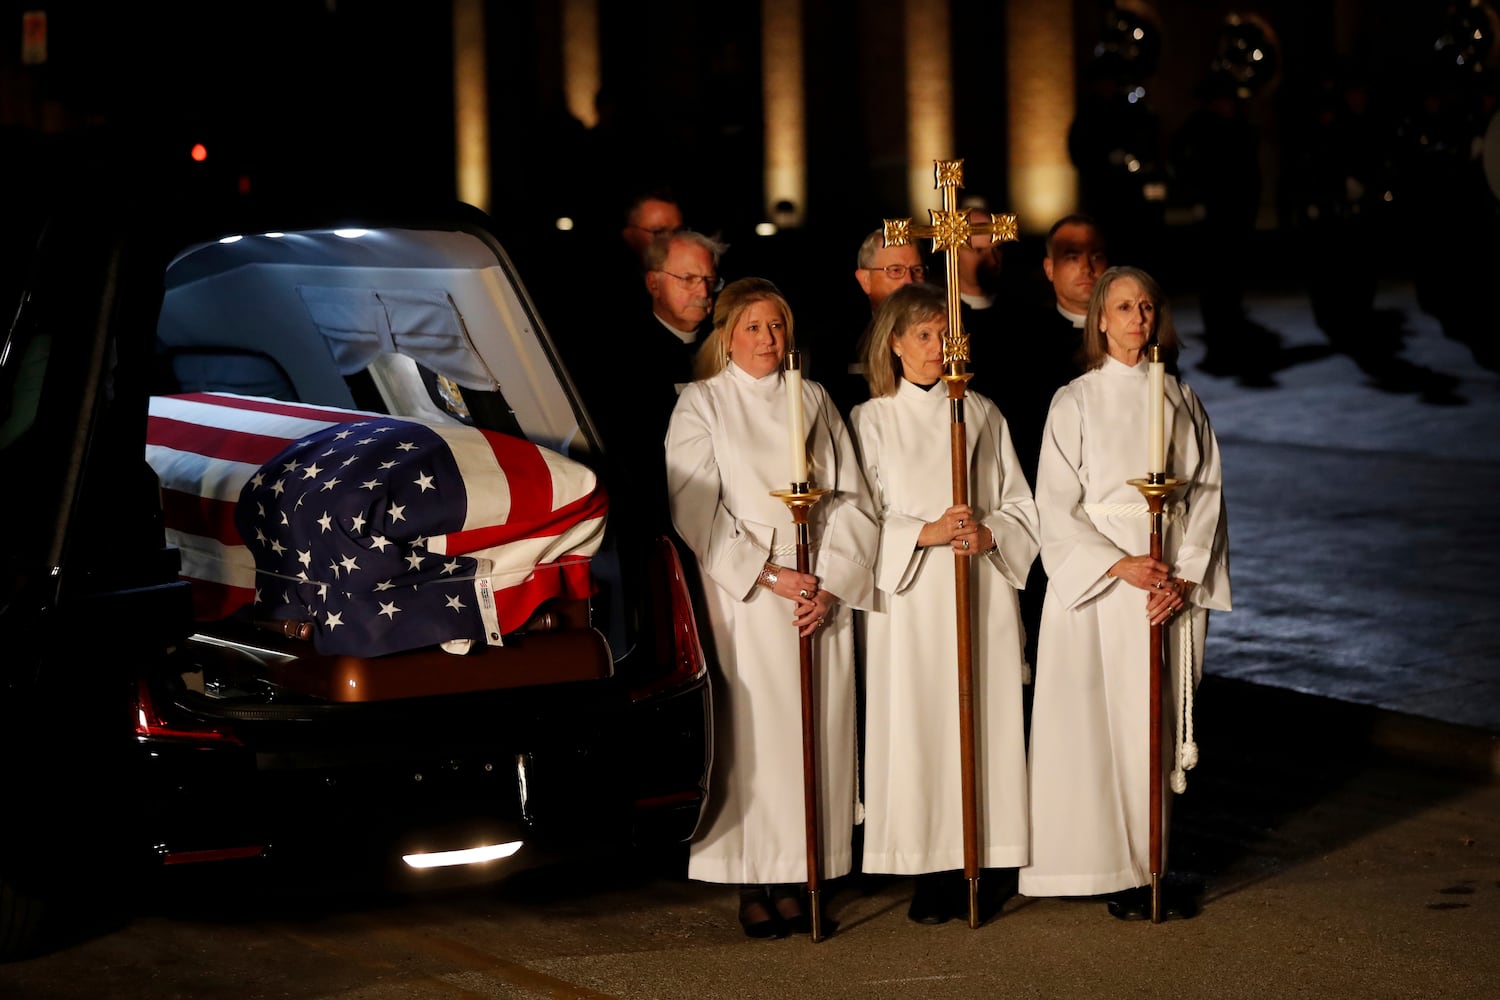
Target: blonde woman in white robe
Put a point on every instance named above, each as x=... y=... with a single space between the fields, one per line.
x=1090 y=772
x=727 y=449
x=913 y=792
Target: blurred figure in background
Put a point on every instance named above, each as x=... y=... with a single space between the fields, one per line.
x=1215 y=158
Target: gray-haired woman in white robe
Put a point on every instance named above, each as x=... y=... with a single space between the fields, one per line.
x=1090 y=772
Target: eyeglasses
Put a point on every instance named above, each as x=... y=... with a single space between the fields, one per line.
x=708 y=281
x=898 y=271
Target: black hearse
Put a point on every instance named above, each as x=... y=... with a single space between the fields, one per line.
x=147 y=725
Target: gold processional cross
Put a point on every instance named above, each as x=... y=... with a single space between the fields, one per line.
x=950 y=230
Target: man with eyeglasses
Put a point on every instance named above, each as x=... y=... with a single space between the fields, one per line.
x=640 y=366
x=880 y=270
x=682 y=277
x=884 y=269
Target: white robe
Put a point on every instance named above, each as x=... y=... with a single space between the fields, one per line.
x=726 y=451
x=913 y=791
x=1090 y=782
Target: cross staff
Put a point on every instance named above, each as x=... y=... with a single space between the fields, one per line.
x=951 y=230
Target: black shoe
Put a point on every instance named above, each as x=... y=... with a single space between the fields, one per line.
x=930 y=902
x=757 y=918
x=1179 y=903
x=1130 y=904
x=996 y=885
x=790 y=902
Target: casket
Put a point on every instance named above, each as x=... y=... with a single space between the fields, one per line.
x=382 y=533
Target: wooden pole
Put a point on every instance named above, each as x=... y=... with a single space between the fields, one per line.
x=1154 y=507
x=809 y=740
x=800 y=501
x=1156 y=488
x=962 y=614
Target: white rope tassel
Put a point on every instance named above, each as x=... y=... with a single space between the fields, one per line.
x=1187 y=750
x=859 y=797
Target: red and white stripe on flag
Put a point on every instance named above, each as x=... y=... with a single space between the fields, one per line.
x=536 y=515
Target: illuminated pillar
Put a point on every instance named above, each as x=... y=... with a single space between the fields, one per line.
x=929 y=98
x=580 y=29
x=471 y=112
x=1042 y=98
x=785 y=114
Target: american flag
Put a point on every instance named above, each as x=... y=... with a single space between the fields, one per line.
x=385 y=532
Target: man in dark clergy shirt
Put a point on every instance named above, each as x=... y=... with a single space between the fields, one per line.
x=644 y=361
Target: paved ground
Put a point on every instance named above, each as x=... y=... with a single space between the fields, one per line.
x=1364 y=528
x=1326 y=873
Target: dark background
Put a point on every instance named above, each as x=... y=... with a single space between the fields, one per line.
x=325 y=99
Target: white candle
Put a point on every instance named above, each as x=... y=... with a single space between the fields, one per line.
x=1156 y=390
x=796 y=434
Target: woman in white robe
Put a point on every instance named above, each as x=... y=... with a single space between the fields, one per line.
x=727 y=449
x=913 y=792
x=1090 y=773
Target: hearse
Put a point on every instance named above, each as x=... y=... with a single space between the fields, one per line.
x=190 y=683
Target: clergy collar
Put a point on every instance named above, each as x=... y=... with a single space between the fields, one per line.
x=977 y=301
x=686 y=336
x=739 y=374
x=1114 y=366
x=1077 y=319
x=908 y=386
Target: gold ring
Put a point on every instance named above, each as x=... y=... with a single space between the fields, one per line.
x=802 y=594
x=820 y=623
x=966 y=543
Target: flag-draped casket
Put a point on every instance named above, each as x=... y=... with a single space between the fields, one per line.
x=385 y=532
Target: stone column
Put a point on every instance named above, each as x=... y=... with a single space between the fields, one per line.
x=782 y=95
x=1042 y=97
x=929 y=99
